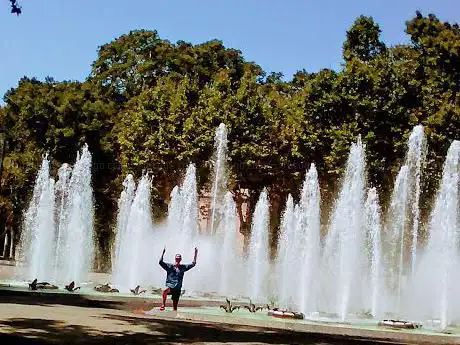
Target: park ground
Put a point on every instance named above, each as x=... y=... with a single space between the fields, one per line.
x=37 y=324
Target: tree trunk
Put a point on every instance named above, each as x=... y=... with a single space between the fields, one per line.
x=245 y=204
x=275 y=215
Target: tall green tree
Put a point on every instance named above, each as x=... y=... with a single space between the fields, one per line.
x=363 y=40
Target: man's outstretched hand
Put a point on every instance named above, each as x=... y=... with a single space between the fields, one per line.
x=194 y=257
x=164 y=250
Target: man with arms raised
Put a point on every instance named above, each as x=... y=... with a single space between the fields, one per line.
x=174 y=277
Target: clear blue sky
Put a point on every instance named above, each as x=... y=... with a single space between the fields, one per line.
x=59 y=38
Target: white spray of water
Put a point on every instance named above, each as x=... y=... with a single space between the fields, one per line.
x=37 y=245
x=76 y=258
x=373 y=229
x=258 y=259
x=309 y=239
x=286 y=256
x=123 y=246
x=415 y=160
x=438 y=276
x=219 y=185
x=344 y=247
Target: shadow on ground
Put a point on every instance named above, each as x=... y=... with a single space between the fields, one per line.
x=153 y=331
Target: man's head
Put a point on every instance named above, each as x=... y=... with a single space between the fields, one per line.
x=178 y=258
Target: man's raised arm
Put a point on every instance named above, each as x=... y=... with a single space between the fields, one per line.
x=161 y=262
x=189 y=266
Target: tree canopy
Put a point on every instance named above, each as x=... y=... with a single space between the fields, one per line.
x=152 y=105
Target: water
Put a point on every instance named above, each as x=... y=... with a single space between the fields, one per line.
x=439 y=269
x=219 y=185
x=344 y=247
x=182 y=223
x=57 y=237
x=415 y=160
x=308 y=240
x=189 y=194
x=286 y=256
x=366 y=263
x=37 y=242
x=62 y=203
x=258 y=259
x=75 y=258
x=229 y=258
x=373 y=230
x=122 y=255
x=396 y=226
x=135 y=254
x=403 y=218
x=175 y=210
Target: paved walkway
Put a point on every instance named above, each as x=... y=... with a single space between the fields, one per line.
x=63 y=324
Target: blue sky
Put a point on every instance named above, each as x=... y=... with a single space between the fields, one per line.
x=59 y=38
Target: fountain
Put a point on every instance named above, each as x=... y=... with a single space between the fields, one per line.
x=367 y=265
x=229 y=261
x=258 y=256
x=286 y=256
x=373 y=230
x=439 y=268
x=76 y=242
x=219 y=185
x=396 y=225
x=308 y=241
x=183 y=213
x=415 y=160
x=57 y=238
x=299 y=246
x=62 y=203
x=124 y=234
x=344 y=247
x=37 y=240
x=135 y=255
x=190 y=203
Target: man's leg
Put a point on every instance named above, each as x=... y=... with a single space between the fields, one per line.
x=165 y=295
x=175 y=298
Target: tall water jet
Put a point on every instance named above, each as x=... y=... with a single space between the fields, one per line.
x=396 y=226
x=62 y=191
x=344 y=247
x=285 y=254
x=182 y=223
x=37 y=240
x=373 y=229
x=308 y=240
x=135 y=261
x=415 y=160
x=219 y=185
x=229 y=253
x=439 y=268
x=76 y=257
x=175 y=210
x=123 y=252
x=189 y=195
x=258 y=260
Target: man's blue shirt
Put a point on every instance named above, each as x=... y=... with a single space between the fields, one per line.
x=175 y=274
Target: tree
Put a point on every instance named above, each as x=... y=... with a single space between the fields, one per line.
x=153 y=105
x=363 y=40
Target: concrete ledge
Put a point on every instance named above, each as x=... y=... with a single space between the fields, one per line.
x=108 y=301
